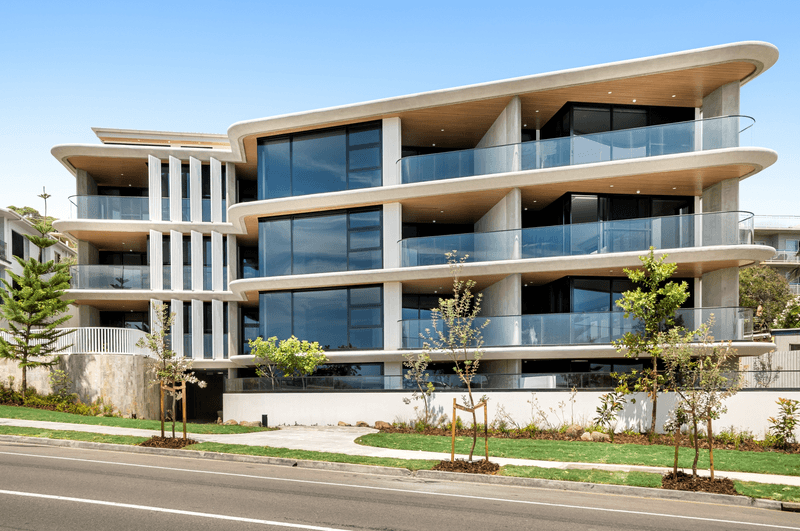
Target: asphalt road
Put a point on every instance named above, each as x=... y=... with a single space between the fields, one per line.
x=47 y=487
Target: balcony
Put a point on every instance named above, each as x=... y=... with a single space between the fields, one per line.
x=786 y=256
x=777 y=222
x=109 y=207
x=111 y=277
x=591 y=328
x=3 y=251
x=651 y=141
x=779 y=379
x=99 y=340
x=670 y=232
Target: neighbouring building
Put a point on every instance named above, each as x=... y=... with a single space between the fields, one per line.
x=332 y=224
x=782 y=233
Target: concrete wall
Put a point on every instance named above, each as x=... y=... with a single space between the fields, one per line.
x=122 y=381
x=87 y=253
x=722 y=102
x=748 y=410
x=505 y=216
x=85 y=183
x=505 y=131
x=721 y=288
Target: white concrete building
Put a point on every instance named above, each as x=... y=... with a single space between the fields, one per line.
x=332 y=224
x=782 y=233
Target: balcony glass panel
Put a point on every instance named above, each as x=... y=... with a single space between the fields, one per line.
x=669 y=232
x=187 y=277
x=110 y=277
x=651 y=141
x=590 y=328
x=110 y=207
x=207 y=278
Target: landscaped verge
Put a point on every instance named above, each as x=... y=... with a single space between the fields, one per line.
x=19 y=412
x=639 y=479
x=592 y=452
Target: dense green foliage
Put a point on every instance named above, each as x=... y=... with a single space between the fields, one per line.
x=291 y=357
x=762 y=286
x=33 y=307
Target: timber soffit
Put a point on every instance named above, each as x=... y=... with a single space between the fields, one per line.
x=761 y=55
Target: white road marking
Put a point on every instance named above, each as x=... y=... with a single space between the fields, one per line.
x=170 y=511
x=407 y=491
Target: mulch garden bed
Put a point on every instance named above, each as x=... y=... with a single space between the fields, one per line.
x=176 y=443
x=698 y=484
x=474 y=467
x=619 y=438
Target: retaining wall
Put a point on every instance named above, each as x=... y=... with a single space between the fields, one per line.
x=120 y=380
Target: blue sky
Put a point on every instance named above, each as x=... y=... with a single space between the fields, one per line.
x=202 y=66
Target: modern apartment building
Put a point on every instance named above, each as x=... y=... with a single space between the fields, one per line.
x=332 y=224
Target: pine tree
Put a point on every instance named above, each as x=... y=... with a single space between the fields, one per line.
x=32 y=305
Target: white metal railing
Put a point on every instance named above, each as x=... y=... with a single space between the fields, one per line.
x=784 y=255
x=795 y=289
x=777 y=222
x=99 y=340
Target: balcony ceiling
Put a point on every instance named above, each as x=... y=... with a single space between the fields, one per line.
x=113 y=241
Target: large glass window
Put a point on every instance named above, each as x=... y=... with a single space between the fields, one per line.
x=17 y=244
x=339 y=319
x=344 y=158
x=342 y=241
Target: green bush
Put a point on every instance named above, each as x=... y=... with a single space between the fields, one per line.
x=66 y=403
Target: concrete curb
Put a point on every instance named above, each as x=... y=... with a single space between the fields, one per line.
x=575 y=486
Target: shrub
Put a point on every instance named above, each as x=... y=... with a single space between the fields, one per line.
x=784 y=425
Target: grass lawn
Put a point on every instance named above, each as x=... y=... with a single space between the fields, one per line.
x=634 y=479
x=29 y=413
x=590 y=452
x=45 y=433
x=267 y=451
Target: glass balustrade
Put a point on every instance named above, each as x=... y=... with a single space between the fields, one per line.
x=651 y=141
x=110 y=277
x=670 y=232
x=591 y=328
x=778 y=379
x=109 y=207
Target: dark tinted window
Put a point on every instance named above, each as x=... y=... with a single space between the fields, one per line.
x=17 y=244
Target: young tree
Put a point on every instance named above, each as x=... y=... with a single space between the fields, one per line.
x=790 y=315
x=291 y=357
x=610 y=405
x=763 y=287
x=417 y=365
x=170 y=372
x=458 y=337
x=653 y=303
x=33 y=306
x=697 y=374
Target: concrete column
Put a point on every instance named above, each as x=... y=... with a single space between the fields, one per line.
x=197 y=261
x=156 y=261
x=216 y=261
x=503 y=298
x=233 y=373
x=176 y=307
x=721 y=288
x=87 y=253
x=393 y=368
x=216 y=190
x=88 y=315
x=85 y=183
x=176 y=261
x=505 y=131
x=506 y=216
x=233 y=329
x=392 y=314
x=230 y=184
x=392 y=151
x=217 y=328
x=722 y=102
x=233 y=262
x=195 y=190
x=175 y=198
x=197 y=330
x=392 y=233
x=154 y=187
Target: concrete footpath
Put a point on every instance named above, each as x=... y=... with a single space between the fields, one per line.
x=341 y=440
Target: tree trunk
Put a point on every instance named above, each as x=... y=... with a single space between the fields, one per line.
x=24 y=382
x=425 y=401
x=710 y=450
x=655 y=399
x=173 y=415
x=696 y=448
x=677 y=446
x=474 y=422
x=161 y=399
